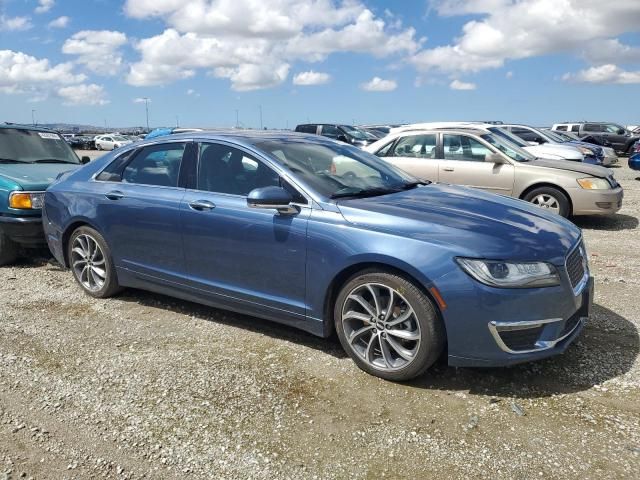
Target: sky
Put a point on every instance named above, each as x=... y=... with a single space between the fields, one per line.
x=277 y=63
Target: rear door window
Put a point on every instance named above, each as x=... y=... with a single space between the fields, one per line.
x=306 y=128
x=416 y=146
x=331 y=131
x=156 y=165
x=592 y=127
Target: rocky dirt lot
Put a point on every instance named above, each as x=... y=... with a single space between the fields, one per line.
x=144 y=386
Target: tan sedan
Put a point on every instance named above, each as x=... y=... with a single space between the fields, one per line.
x=477 y=158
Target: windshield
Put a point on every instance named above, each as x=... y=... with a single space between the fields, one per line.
x=31 y=146
x=508 y=136
x=358 y=133
x=510 y=149
x=554 y=136
x=337 y=170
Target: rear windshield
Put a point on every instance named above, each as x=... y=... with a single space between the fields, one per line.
x=31 y=146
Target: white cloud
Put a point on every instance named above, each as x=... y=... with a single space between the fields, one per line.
x=509 y=30
x=22 y=73
x=14 y=24
x=247 y=76
x=44 y=6
x=509 y=75
x=253 y=42
x=98 y=50
x=600 y=52
x=141 y=100
x=604 y=74
x=60 y=22
x=83 y=94
x=27 y=75
x=311 y=78
x=460 y=85
x=377 y=84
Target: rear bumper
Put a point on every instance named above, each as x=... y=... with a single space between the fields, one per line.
x=25 y=231
x=596 y=202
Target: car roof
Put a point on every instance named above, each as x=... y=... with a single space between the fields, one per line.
x=20 y=126
x=241 y=136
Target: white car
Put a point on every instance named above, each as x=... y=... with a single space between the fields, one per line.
x=111 y=142
x=549 y=151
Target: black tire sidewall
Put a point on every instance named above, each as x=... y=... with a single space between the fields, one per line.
x=431 y=329
x=563 y=201
x=110 y=286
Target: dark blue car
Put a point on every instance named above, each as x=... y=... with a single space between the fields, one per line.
x=306 y=231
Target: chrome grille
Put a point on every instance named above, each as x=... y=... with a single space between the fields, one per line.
x=575 y=266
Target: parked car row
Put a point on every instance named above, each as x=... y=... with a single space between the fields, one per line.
x=605 y=133
x=322 y=235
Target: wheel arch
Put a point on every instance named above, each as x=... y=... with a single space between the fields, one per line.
x=423 y=283
x=68 y=231
x=548 y=185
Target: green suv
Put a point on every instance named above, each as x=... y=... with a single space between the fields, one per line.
x=31 y=158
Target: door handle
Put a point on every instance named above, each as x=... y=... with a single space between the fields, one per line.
x=115 y=195
x=448 y=169
x=202 y=205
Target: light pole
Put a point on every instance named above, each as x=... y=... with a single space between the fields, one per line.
x=146 y=109
x=237 y=119
x=260 y=108
x=33 y=117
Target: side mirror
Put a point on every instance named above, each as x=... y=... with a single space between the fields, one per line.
x=540 y=140
x=621 y=131
x=276 y=198
x=343 y=138
x=495 y=158
x=84 y=160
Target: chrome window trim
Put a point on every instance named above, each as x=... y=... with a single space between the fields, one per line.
x=541 y=345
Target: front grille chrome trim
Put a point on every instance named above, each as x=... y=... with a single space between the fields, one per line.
x=496 y=327
x=577 y=290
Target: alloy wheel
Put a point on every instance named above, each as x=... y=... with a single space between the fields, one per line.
x=88 y=263
x=381 y=326
x=544 y=200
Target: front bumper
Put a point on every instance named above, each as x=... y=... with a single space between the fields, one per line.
x=25 y=231
x=596 y=202
x=491 y=327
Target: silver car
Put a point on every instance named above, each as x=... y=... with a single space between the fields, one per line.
x=477 y=158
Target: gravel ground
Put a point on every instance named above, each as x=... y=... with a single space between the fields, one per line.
x=144 y=386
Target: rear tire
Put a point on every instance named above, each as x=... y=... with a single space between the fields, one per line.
x=91 y=263
x=8 y=250
x=395 y=339
x=550 y=199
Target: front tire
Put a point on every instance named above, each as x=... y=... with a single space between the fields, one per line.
x=8 y=250
x=91 y=263
x=550 y=199
x=388 y=326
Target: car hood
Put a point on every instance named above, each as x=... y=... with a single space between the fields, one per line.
x=467 y=222
x=34 y=176
x=564 y=151
x=593 y=170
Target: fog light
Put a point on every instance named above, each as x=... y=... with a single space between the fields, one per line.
x=604 y=204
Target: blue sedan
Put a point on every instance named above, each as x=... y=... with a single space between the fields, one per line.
x=320 y=235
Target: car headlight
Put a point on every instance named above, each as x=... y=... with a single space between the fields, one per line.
x=26 y=200
x=586 y=151
x=593 y=183
x=497 y=273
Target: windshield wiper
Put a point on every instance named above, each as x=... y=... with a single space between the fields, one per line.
x=54 y=160
x=364 y=192
x=10 y=160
